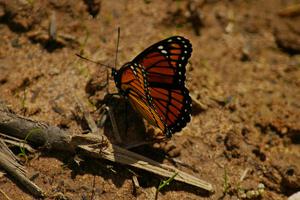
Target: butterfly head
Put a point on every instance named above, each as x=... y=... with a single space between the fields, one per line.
x=116 y=76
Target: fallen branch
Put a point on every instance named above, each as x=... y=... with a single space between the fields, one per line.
x=92 y=145
x=121 y=155
x=9 y=163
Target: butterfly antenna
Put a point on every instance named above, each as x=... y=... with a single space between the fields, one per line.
x=98 y=63
x=117 y=49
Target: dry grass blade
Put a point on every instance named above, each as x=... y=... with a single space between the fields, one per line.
x=197 y=104
x=20 y=144
x=5 y=195
x=10 y=157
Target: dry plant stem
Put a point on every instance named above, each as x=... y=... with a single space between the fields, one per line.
x=12 y=167
x=11 y=157
x=20 y=144
x=135 y=182
x=56 y=139
x=92 y=125
x=11 y=138
x=114 y=124
x=244 y=174
x=5 y=195
x=198 y=104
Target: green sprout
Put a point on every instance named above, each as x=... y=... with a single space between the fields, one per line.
x=22 y=148
x=165 y=183
x=226 y=182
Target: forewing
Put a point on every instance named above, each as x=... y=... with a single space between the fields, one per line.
x=165 y=61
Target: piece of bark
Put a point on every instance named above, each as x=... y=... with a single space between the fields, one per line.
x=37 y=133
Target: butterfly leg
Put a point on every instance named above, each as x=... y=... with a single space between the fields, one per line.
x=103 y=116
x=126 y=119
x=107 y=81
x=114 y=124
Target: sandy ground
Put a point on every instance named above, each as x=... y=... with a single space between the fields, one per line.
x=245 y=70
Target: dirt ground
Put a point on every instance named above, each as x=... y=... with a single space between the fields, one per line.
x=244 y=69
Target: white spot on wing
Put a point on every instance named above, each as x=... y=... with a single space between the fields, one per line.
x=160 y=47
x=179 y=38
x=164 y=51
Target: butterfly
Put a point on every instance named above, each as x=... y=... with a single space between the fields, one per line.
x=153 y=82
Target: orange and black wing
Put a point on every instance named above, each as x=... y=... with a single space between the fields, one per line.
x=173 y=105
x=164 y=70
x=134 y=83
x=154 y=82
x=166 y=60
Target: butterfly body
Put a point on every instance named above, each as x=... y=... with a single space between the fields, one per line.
x=154 y=84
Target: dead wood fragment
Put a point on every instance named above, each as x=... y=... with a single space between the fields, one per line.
x=1 y=174
x=11 y=157
x=121 y=155
x=290 y=11
x=9 y=163
x=37 y=133
x=55 y=139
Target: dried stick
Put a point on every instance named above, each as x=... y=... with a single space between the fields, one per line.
x=5 y=195
x=121 y=155
x=91 y=123
x=198 y=105
x=9 y=163
x=59 y=140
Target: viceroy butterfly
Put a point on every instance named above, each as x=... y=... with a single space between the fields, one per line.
x=154 y=84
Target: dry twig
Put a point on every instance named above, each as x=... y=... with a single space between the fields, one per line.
x=9 y=163
x=5 y=195
x=56 y=139
x=290 y=11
